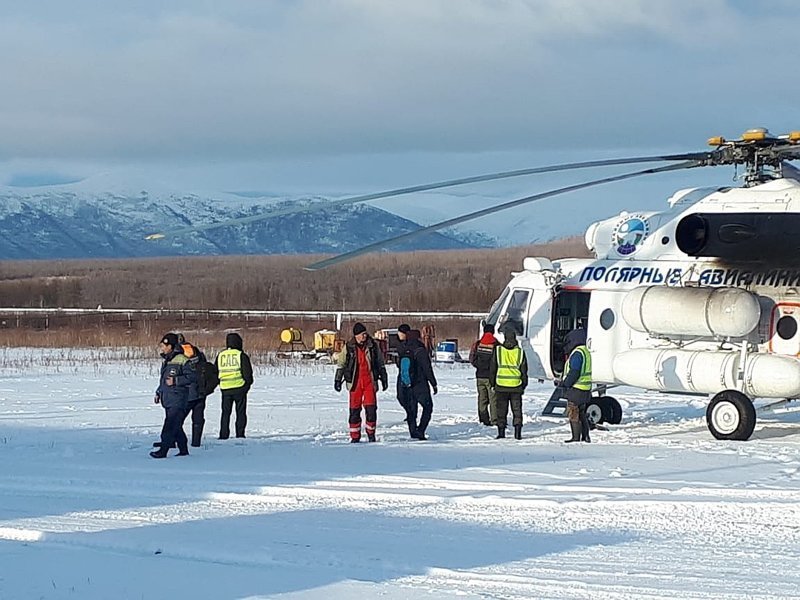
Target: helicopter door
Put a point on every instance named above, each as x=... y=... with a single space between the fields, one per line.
x=527 y=305
x=524 y=309
x=570 y=311
x=785 y=337
x=516 y=311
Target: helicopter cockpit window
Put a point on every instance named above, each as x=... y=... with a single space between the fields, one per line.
x=494 y=312
x=515 y=311
x=786 y=327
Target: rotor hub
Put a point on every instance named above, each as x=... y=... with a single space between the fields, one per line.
x=761 y=153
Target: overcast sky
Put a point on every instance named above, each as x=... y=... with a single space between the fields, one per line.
x=249 y=93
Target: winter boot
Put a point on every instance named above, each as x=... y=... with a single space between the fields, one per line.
x=576 y=432
x=355 y=440
x=197 y=434
x=371 y=436
x=501 y=432
x=183 y=449
x=160 y=453
x=517 y=432
x=585 y=427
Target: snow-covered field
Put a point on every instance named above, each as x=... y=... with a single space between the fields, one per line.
x=654 y=508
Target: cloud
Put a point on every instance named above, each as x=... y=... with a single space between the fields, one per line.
x=98 y=80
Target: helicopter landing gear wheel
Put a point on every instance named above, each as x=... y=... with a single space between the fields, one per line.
x=731 y=416
x=604 y=409
x=594 y=412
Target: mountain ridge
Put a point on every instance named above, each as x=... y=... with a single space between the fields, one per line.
x=89 y=220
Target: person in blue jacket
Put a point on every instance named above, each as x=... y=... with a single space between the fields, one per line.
x=175 y=382
x=576 y=386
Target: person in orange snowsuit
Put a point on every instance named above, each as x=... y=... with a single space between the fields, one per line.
x=360 y=366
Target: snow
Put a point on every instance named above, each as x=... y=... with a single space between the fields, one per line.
x=653 y=508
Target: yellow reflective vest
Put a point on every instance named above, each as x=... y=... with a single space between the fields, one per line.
x=509 y=361
x=585 y=379
x=229 y=365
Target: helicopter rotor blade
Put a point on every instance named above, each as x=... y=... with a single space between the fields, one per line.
x=487 y=211
x=433 y=186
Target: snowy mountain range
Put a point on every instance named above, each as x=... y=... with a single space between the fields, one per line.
x=101 y=219
x=109 y=216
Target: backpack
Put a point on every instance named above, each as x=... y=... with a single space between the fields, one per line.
x=407 y=366
x=207 y=376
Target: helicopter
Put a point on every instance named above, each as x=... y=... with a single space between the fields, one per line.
x=701 y=299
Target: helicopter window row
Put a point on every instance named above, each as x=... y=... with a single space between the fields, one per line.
x=786 y=327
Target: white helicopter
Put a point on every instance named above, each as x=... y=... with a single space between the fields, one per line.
x=702 y=298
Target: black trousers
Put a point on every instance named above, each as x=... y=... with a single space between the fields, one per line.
x=504 y=399
x=238 y=397
x=406 y=398
x=172 y=431
x=422 y=397
x=411 y=398
x=197 y=409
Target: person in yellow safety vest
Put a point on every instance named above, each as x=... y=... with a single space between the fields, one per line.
x=508 y=374
x=576 y=386
x=235 y=380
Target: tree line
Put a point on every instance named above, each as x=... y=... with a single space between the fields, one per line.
x=454 y=280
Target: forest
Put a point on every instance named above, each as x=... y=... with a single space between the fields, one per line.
x=424 y=281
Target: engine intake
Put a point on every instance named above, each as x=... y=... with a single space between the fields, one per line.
x=739 y=236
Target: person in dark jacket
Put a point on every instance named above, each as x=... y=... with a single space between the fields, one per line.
x=403 y=391
x=235 y=380
x=360 y=366
x=480 y=357
x=422 y=381
x=508 y=372
x=197 y=393
x=175 y=381
x=576 y=386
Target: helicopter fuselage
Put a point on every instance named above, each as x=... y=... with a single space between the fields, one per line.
x=661 y=319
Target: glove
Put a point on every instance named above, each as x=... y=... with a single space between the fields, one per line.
x=384 y=385
x=337 y=385
x=156 y=399
x=435 y=390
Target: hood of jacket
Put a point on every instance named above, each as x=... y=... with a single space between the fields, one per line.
x=234 y=340
x=510 y=339
x=575 y=338
x=487 y=339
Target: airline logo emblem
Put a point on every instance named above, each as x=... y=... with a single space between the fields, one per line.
x=629 y=233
